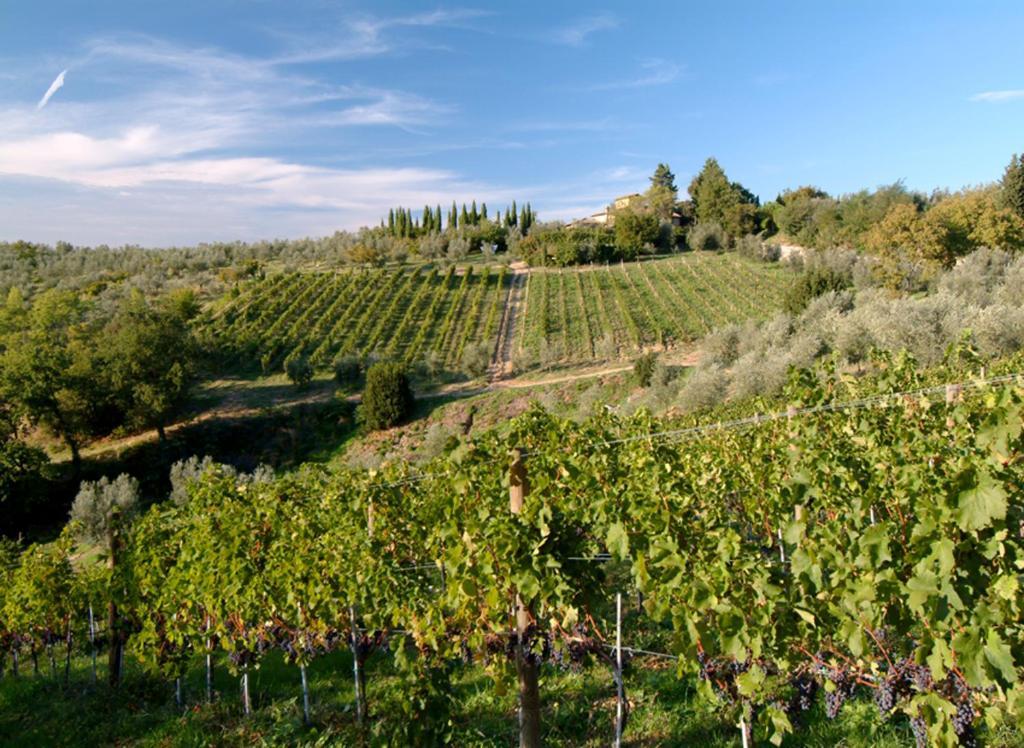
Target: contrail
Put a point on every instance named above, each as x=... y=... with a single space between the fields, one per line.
x=57 y=83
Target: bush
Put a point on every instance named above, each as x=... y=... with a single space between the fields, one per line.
x=98 y=504
x=347 y=370
x=298 y=369
x=752 y=247
x=643 y=369
x=705 y=388
x=811 y=284
x=709 y=237
x=387 y=399
x=476 y=358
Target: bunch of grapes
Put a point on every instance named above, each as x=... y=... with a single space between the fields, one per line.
x=805 y=688
x=963 y=723
x=920 y=730
x=844 y=685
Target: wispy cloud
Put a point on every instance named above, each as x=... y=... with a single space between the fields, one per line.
x=652 y=72
x=58 y=82
x=367 y=36
x=180 y=128
x=575 y=34
x=994 y=96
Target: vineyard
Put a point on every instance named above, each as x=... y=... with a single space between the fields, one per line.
x=609 y=311
x=867 y=548
x=411 y=315
x=438 y=315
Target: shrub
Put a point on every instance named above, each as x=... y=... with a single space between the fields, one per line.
x=387 y=399
x=709 y=237
x=98 y=503
x=476 y=358
x=643 y=369
x=706 y=387
x=298 y=369
x=347 y=370
x=811 y=284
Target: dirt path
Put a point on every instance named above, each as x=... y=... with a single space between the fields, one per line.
x=501 y=362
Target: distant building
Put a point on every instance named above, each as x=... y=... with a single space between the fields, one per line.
x=606 y=217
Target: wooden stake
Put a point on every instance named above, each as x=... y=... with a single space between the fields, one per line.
x=619 y=690
x=357 y=672
x=246 y=702
x=305 y=696
x=529 y=680
x=92 y=641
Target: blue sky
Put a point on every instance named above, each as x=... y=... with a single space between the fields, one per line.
x=197 y=121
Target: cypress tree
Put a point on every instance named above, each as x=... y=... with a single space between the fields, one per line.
x=454 y=222
x=1013 y=185
x=439 y=227
x=474 y=217
x=409 y=222
x=524 y=219
x=483 y=211
x=464 y=216
x=391 y=221
x=497 y=218
x=512 y=215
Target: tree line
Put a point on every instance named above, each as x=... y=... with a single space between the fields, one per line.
x=403 y=223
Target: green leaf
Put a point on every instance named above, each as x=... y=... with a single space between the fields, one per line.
x=617 y=540
x=981 y=501
x=1000 y=657
x=749 y=684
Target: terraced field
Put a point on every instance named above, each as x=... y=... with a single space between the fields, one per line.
x=408 y=315
x=441 y=315
x=577 y=315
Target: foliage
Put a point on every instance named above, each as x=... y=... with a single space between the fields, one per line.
x=1012 y=186
x=811 y=284
x=387 y=397
x=149 y=357
x=101 y=505
x=717 y=200
x=48 y=370
x=348 y=370
x=635 y=232
x=643 y=369
x=21 y=465
x=299 y=369
x=707 y=237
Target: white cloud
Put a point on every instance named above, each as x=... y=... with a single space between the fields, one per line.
x=58 y=82
x=575 y=34
x=995 y=96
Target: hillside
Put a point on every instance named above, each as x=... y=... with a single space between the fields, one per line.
x=447 y=321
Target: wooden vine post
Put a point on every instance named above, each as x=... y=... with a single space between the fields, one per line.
x=529 y=686
x=114 y=654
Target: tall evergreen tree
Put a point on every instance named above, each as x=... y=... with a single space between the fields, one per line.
x=513 y=214
x=439 y=226
x=391 y=221
x=483 y=211
x=474 y=216
x=717 y=200
x=464 y=216
x=1013 y=185
x=663 y=177
x=453 y=223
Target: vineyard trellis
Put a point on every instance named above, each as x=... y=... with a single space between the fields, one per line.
x=864 y=544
